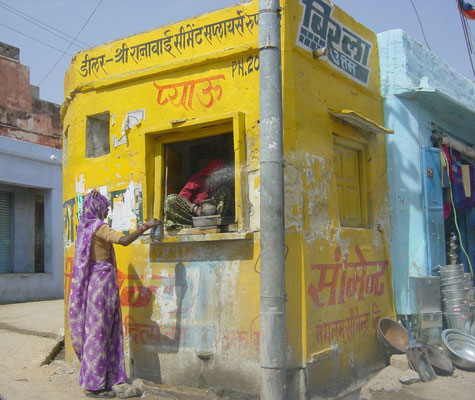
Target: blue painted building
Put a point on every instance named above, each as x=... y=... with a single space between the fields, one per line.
x=31 y=223
x=424 y=99
x=31 y=212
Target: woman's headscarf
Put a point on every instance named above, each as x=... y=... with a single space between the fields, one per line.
x=214 y=165
x=93 y=209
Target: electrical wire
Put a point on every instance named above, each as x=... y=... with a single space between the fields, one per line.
x=259 y=256
x=468 y=37
x=60 y=58
x=420 y=24
x=455 y=217
x=467 y=32
x=39 y=24
x=443 y=25
x=36 y=40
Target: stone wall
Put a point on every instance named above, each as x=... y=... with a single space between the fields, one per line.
x=24 y=116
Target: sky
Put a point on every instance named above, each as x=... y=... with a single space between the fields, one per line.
x=94 y=22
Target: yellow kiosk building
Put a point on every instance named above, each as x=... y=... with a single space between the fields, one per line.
x=143 y=113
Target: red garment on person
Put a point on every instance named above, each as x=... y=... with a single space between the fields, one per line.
x=196 y=189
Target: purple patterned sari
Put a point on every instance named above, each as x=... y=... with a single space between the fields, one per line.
x=94 y=307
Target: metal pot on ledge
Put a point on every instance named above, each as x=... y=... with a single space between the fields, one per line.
x=208 y=208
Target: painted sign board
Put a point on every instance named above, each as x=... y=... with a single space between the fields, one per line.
x=348 y=52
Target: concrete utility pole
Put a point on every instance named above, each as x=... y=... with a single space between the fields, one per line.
x=272 y=285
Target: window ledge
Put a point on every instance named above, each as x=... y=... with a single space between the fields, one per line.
x=359 y=121
x=203 y=237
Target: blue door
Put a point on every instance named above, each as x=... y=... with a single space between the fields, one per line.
x=433 y=208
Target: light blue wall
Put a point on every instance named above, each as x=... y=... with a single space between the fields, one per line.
x=418 y=88
x=26 y=169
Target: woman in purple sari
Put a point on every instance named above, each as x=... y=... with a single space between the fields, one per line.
x=94 y=307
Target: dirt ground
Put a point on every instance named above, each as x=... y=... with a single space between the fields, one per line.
x=459 y=386
x=58 y=381
x=31 y=330
x=21 y=377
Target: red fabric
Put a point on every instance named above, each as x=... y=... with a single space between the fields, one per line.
x=447 y=210
x=213 y=166
x=470 y=14
x=467 y=9
x=196 y=189
x=449 y=163
x=447 y=206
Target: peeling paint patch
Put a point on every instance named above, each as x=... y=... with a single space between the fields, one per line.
x=132 y=119
x=307 y=188
x=119 y=142
x=177 y=296
x=257 y=182
x=352 y=360
x=254 y=200
x=124 y=209
x=317 y=197
x=79 y=201
x=80 y=184
x=293 y=194
x=271 y=121
x=103 y=190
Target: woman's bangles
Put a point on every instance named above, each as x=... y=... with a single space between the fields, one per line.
x=142 y=228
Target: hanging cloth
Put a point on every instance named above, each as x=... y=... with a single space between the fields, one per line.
x=467 y=185
x=458 y=190
x=470 y=201
x=447 y=204
x=467 y=9
x=444 y=171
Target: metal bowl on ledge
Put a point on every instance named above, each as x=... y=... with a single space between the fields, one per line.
x=393 y=336
x=460 y=347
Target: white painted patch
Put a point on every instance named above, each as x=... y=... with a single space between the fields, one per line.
x=352 y=360
x=273 y=145
x=254 y=202
x=307 y=191
x=345 y=244
x=124 y=217
x=318 y=181
x=167 y=302
x=119 y=142
x=80 y=184
x=103 y=190
x=293 y=190
x=132 y=119
x=271 y=121
x=228 y=283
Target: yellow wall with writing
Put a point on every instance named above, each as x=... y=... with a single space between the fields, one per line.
x=197 y=296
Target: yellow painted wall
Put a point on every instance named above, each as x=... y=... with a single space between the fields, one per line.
x=344 y=273
x=198 y=295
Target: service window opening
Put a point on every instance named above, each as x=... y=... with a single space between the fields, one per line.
x=193 y=167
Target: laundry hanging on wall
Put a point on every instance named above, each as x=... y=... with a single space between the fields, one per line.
x=462 y=178
x=467 y=9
